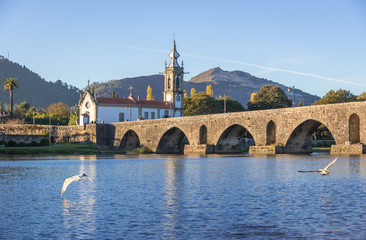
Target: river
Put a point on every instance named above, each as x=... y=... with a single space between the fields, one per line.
x=183 y=197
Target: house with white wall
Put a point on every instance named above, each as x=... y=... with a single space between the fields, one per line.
x=94 y=109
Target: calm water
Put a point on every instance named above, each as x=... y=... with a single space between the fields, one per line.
x=167 y=197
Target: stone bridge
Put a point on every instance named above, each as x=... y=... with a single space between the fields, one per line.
x=285 y=130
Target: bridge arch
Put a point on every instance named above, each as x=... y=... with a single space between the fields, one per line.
x=172 y=141
x=300 y=138
x=271 y=133
x=203 y=134
x=229 y=141
x=129 y=141
x=354 y=128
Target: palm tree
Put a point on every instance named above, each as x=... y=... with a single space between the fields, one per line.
x=11 y=83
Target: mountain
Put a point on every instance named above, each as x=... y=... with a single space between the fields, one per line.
x=33 y=88
x=236 y=84
x=240 y=85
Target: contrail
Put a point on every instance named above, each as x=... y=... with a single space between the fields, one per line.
x=246 y=64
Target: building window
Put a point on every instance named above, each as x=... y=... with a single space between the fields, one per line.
x=152 y=115
x=166 y=113
x=146 y=115
x=121 y=117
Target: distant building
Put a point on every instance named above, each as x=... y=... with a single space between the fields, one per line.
x=107 y=110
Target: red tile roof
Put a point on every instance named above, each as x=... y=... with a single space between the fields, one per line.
x=129 y=101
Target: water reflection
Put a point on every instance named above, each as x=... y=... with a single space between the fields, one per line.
x=81 y=210
x=173 y=187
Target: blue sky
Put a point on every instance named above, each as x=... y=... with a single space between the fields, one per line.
x=315 y=46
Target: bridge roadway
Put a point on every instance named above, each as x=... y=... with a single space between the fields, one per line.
x=285 y=130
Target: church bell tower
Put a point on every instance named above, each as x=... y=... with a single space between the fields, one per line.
x=173 y=83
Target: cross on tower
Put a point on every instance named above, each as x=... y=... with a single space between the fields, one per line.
x=131 y=90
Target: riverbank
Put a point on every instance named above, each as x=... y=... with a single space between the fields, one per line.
x=60 y=148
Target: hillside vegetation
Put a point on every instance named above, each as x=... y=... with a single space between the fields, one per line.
x=33 y=88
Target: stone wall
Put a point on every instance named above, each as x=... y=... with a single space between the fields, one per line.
x=90 y=134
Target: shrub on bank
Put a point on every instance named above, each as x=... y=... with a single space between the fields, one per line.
x=3 y=143
x=142 y=150
x=12 y=144
x=45 y=142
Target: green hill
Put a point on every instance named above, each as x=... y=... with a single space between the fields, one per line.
x=33 y=88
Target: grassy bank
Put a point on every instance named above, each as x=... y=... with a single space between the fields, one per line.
x=59 y=148
x=321 y=149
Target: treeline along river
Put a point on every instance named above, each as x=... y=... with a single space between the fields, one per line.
x=183 y=197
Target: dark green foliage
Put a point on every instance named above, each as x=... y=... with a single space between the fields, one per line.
x=45 y=142
x=269 y=97
x=231 y=105
x=142 y=150
x=361 y=97
x=34 y=89
x=201 y=104
x=338 y=96
x=22 y=144
x=12 y=144
x=34 y=143
x=2 y=142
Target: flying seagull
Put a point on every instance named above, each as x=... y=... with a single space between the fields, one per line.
x=69 y=180
x=324 y=171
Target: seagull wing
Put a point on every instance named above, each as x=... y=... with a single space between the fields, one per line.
x=89 y=179
x=308 y=171
x=66 y=183
x=330 y=164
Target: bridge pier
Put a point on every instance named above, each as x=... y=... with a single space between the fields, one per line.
x=266 y=149
x=198 y=149
x=348 y=149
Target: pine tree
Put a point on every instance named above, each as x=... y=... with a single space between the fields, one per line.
x=209 y=90
x=149 y=95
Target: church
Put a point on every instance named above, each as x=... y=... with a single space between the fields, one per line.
x=93 y=109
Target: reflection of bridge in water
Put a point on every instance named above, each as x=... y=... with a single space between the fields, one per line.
x=286 y=130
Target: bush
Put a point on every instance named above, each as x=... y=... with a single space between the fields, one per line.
x=142 y=150
x=34 y=144
x=45 y=142
x=3 y=143
x=12 y=144
x=22 y=144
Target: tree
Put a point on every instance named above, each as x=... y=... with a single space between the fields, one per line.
x=113 y=94
x=362 y=97
x=231 y=105
x=185 y=94
x=22 y=109
x=301 y=104
x=93 y=91
x=338 y=96
x=149 y=95
x=209 y=90
x=59 y=113
x=268 y=97
x=193 y=92
x=200 y=104
x=252 y=97
x=11 y=83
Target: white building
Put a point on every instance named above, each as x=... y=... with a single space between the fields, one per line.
x=107 y=110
